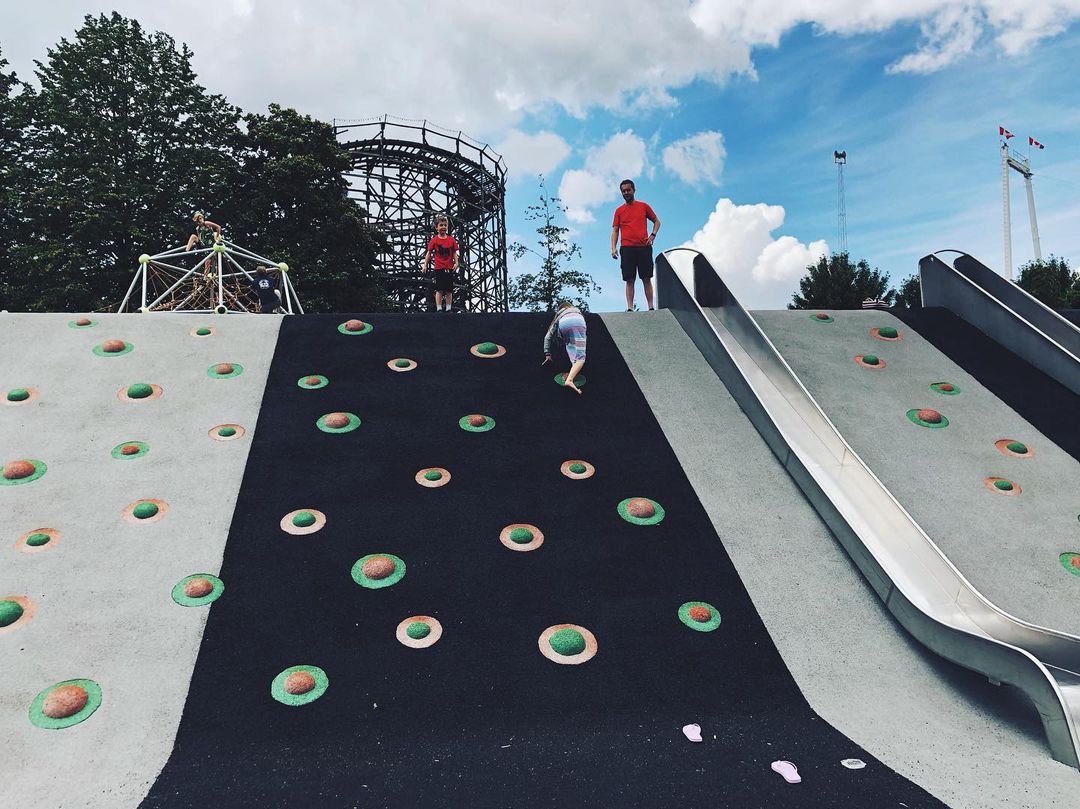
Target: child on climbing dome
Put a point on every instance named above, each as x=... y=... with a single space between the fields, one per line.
x=567 y=327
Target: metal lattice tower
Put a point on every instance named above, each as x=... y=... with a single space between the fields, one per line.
x=404 y=173
x=840 y=159
x=1014 y=160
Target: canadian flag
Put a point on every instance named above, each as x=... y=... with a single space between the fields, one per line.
x=1035 y=143
x=1003 y=131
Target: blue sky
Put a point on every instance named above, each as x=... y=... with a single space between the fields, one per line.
x=725 y=113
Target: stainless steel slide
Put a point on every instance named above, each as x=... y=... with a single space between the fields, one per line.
x=920 y=587
x=1002 y=310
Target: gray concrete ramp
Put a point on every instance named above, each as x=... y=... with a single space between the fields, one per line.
x=969 y=743
x=101 y=588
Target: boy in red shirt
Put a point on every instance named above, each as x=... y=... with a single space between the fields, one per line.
x=636 y=250
x=445 y=248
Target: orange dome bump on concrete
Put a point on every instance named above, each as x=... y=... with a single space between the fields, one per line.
x=113 y=346
x=299 y=682
x=641 y=508
x=378 y=567
x=223 y=368
x=17 y=470
x=947 y=386
x=198 y=588
x=929 y=416
x=337 y=420
x=354 y=325
x=65 y=701
x=83 y=321
x=129 y=449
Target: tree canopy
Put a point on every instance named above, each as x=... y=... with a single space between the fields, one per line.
x=834 y=282
x=1051 y=281
x=909 y=295
x=541 y=291
x=121 y=145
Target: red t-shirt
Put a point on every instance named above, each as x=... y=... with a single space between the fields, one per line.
x=444 y=248
x=630 y=220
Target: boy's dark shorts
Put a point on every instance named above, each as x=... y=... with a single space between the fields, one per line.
x=444 y=281
x=636 y=260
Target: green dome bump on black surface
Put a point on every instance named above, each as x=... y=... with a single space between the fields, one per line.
x=402 y=363
x=433 y=475
x=418 y=630
x=567 y=642
x=487 y=348
x=303 y=519
x=578 y=468
x=521 y=535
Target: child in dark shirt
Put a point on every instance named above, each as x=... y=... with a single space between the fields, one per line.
x=265 y=286
x=445 y=248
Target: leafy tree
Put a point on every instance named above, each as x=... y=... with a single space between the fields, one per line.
x=541 y=291
x=835 y=283
x=909 y=296
x=123 y=146
x=291 y=201
x=15 y=101
x=1051 y=281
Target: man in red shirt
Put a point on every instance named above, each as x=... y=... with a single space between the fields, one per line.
x=636 y=250
x=445 y=248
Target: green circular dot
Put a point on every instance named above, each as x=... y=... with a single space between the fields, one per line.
x=402 y=363
x=226 y=432
x=139 y=390
x=145 y=510
x=202 y=331
x=887 y=331
x=1004 y=485
x=870 y=359
x=567 y=642
x=417 y=630
x=487 y=348
x=10 y=612
x=433 y=475
x=38 y=539
x=1017 y=447
x=303 y=519
x=18 y=395
x=578 y=468
x=521 y=536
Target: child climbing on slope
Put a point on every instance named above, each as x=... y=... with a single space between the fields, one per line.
x=567 y=327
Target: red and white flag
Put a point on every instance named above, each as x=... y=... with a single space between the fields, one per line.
x=1003 y=131
x=1035 y=143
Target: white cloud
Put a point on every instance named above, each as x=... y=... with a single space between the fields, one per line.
x=760 y=270
x=480 y=66
x=622 y=156
x=698 y=159
x=530 y=155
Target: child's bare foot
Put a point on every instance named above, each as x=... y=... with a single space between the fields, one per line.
x=570 y=384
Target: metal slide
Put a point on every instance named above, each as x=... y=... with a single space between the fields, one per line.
x=928 y=596
x=1005 y=312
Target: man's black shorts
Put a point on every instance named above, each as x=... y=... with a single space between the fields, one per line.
x=444 y=281
x=636 y=260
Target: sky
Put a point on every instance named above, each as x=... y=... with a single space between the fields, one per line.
x=726 y=113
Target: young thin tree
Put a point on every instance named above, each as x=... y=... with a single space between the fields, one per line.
x=835 y=283
x=542 y=290
x=909 y=295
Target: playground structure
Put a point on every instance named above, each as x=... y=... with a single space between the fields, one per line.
x=404 y=173
x=217 y=281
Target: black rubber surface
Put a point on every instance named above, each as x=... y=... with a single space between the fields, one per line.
x=482 y=719
x=1047 y=405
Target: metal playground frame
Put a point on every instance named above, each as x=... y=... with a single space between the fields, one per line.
x=216 y=282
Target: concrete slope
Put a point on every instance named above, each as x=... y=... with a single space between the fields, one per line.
x=1007 y=546
x=946 y=728
x=102 y=587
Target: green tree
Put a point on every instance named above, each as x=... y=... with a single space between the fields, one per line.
x=1051 y=281
x=541 y=291
x=909 y=296
x=15 y=103
x=123 y=146
x=835 y=283
x=291 y=201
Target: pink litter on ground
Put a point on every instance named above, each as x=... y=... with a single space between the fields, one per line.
x=692 y=732
x=788 y=770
